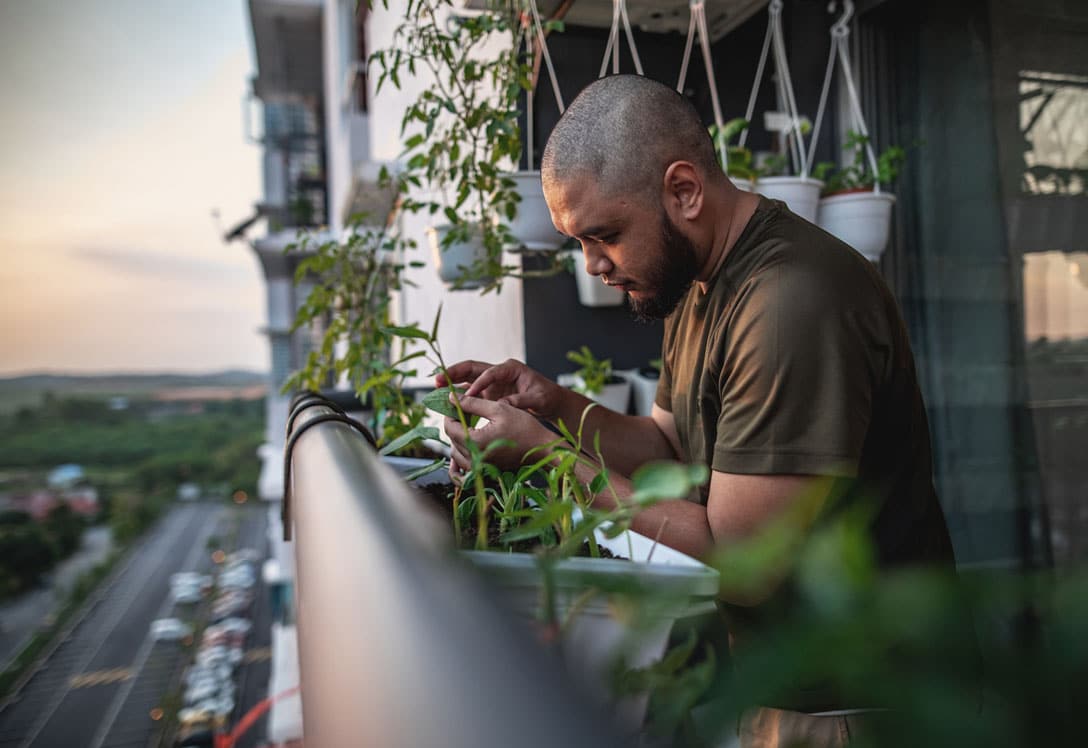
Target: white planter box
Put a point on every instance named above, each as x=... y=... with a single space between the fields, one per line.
x=533 y=224
x=643 y=388
x=595 y=632
x=802 y=196
x=861 y=219
x=615 y=395
x=454 y=259
x=596 y=628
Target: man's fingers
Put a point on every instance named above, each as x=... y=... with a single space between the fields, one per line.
x=454 y=430
x=479 y=406
x=460 y=459
x=504 y=374
x=462 y=371
x=522 y=400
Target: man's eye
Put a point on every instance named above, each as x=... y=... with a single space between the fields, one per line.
x=608 y=239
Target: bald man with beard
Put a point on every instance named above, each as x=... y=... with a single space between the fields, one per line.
x=786 y=363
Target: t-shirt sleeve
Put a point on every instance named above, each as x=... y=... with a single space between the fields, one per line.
x=797 y=380
x=663 y=396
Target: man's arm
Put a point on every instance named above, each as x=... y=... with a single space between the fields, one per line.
x=627 y=442
x=738 y=507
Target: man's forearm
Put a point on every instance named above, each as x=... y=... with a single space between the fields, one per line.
x=627 y=442
x=677 y=523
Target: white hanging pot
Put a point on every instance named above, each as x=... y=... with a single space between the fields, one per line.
x=454 y=260
x=800 y=194
x=741 y=184
x=532 y=226
x=861 y=219
x=643 y=388
x=591 y=289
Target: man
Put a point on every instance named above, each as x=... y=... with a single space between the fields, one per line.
x=785 y=356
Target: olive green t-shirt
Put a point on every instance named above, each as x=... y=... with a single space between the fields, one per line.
x=796 y=360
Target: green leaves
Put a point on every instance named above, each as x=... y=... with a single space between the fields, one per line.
x=594 y=373
x=413 y=435
x=666 y=480
x=412 y=332
x=439 y=401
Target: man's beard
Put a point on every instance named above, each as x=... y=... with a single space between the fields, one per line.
x=670 y=278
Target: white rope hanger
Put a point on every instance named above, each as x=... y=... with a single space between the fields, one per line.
x=538 y=27
x=612 y=49
x=840 y=50
x=698 y=23
x=774 y=41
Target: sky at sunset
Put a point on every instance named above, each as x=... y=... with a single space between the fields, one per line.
x=121 y=133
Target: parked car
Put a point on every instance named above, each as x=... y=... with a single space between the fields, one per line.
x=170 y=629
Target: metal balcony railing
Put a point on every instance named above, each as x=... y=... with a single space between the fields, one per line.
x=400 y=644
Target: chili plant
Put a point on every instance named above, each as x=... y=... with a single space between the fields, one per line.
x=858 y=174
x=462 y=130
x=349 y=301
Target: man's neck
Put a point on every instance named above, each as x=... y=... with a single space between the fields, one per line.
x=739 y=206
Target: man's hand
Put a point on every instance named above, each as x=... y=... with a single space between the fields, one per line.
x=504 y=422
x=510 y=382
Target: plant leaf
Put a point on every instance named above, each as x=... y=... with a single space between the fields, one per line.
x=666 y=480
x=407 y=331
x=419 y=432
x=439 y=401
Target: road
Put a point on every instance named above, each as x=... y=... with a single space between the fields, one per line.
x=99 y=686
x=20 y=618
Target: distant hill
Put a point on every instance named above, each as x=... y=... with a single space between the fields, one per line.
x=28 y=389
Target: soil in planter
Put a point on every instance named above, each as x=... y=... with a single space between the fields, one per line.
x=439 y=495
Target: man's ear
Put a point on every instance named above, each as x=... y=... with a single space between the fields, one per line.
x=683 y=191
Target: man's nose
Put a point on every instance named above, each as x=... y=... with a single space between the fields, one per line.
x=596 y=262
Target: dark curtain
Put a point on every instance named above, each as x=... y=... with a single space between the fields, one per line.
x=928 y=82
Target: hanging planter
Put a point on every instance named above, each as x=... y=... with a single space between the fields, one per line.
x=861 y=219
x=592 y=291
x=532 y=226
x=800 y=193
x=854 y=207
x=458 y=262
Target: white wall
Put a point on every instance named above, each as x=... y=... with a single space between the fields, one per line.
x=487 y=328
x=337 y=14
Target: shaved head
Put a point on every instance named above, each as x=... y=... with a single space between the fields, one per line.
x=624 y=131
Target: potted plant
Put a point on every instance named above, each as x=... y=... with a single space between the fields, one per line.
x=853 y=206
x=351 y=282
x=767 y=176
x=737 y=163
x=644 y=386
x=594 y=379
x=606 y=614
x=461 y=133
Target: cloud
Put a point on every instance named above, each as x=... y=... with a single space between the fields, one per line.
x=144 y=264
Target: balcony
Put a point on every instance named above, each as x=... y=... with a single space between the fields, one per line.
x=287 y=40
